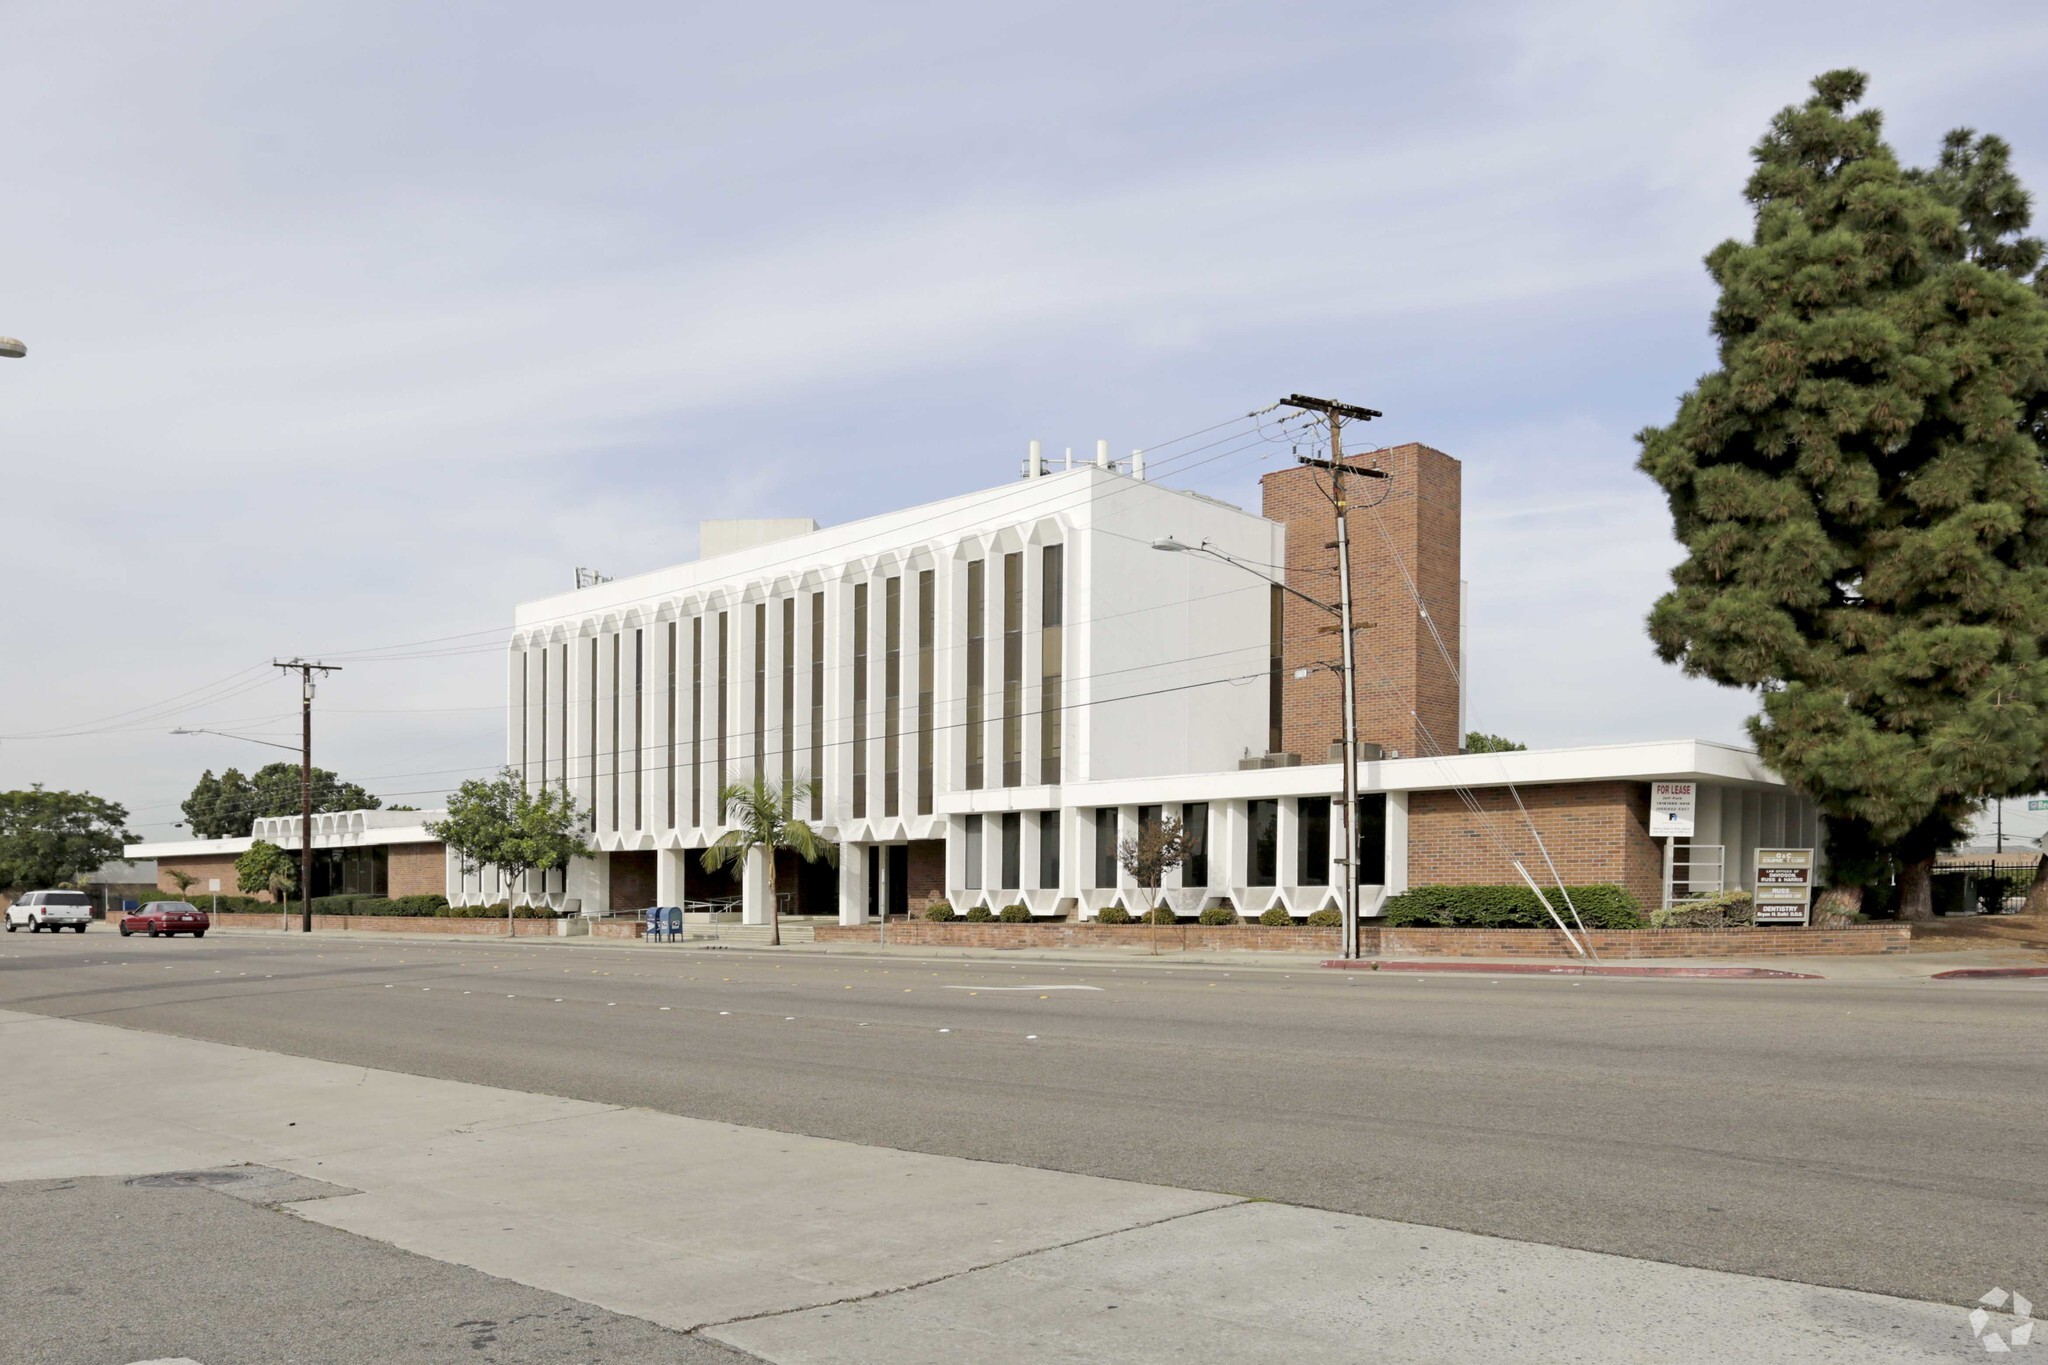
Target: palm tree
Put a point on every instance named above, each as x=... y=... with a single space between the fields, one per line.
x=760 y=815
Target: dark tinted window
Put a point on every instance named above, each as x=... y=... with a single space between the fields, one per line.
x=66 y=898
x=1264 y=818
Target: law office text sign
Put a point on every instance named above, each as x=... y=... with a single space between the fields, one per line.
x=1784 y=885
x=1671 y=809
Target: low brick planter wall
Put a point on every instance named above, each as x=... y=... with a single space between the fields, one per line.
x=1854 y=940
x=1378 y=941
x=448 y=925
x=1198 y=938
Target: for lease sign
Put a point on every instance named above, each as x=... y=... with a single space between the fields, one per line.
x=1672 y=805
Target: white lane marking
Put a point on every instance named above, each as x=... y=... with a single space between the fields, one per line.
x=1021 y=988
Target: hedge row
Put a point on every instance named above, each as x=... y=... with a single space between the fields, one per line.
x=1602 y=906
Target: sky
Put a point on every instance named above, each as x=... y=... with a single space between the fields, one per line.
x=351 y=326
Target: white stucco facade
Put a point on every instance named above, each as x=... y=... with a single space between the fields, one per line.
x=990 y=691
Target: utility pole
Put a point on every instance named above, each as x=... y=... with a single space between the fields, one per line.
x=1337 y=412
x=306 y=672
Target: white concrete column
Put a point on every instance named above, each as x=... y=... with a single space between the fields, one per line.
x=853 y=884
x=754 y=888
x=668 y=876
x=1397 y=843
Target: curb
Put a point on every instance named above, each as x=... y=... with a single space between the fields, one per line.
x=1574 y=969
x=1988 y=973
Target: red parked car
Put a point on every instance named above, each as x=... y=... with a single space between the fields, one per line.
x=166 y=917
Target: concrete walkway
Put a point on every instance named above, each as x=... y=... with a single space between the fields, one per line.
x=805 y=1250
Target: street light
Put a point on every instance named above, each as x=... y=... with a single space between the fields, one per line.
x=1343 y=669
x=284 y=905
x=12 y=349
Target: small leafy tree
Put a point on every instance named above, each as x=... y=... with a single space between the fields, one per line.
x=1860 y=486
x=266 y=867
x=1479 y=742
x=1155 y=850
x=181 y=879
x=47 y=837
x=761 y=816
x=500 y=823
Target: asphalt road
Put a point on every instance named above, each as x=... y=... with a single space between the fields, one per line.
x=1882 y=1137
x=100 y=1272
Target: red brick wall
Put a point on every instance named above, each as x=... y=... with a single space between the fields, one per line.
x=1594 y=832
x=632 y=880
x=927 y=871
x=1074 y=934
x=417 y=870
x=1399 y=667
x=1635 y=943
x=203 y=867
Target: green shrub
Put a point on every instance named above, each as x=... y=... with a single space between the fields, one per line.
x=1217 y=914
x=980 y=914
x=1276 y=917
x=1160 y=914
x=1602 y=906
x=498 y=912
x=939 y=912
x=1113 y=913
x=1729 y=908
x=1327 y=919
x=1015 y=914
x=430 y=904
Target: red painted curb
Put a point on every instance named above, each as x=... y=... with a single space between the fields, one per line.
x=1985 y=973
x=1574 y=969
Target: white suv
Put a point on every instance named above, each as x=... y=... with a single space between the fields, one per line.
x=52 y=910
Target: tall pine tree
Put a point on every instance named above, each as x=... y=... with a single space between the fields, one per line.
x=1861 y=490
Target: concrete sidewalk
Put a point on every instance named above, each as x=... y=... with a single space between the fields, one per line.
x=804 y=1250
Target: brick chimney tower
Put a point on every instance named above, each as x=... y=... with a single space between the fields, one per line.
x=1407 y=695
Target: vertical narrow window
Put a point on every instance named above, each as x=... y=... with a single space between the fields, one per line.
x=591 y=750
x=724 y=694
x=788 y=691
x=1194 y=818
x=761 y=690
x=1049 y=849
x=972 y=853
x=1105 y=846
x=927 y=615
x=892 y=695
x=1148 y=820
x=977 y=622
x=671 y=730
x=1013 y=669
x=696 y=721
x=525 y=721
x=1274 y=666
x=541 y=712
x=564 y=704
x=1013 y=850
x=615 y=731
x=1052 y=617
x=639 y=733
x=817 y=706
x=1372 y=839
x=1312 y=846
x=860 y=700
x=1264 y=818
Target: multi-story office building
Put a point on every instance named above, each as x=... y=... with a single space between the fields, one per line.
x=989 y=693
